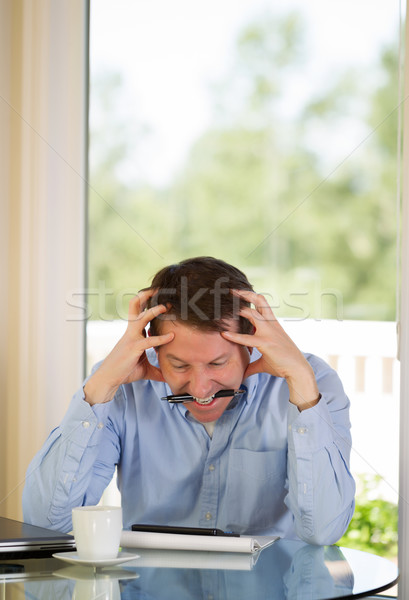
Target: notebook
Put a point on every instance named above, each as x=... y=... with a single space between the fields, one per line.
x=21 y=540
x=213 y=543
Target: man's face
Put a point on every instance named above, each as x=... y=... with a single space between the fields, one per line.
x=201 y=363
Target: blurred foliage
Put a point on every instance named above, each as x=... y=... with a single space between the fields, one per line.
x=374 y=526
x=318 y=235
x=256 y=189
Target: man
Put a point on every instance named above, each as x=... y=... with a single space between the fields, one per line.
x=271 y=460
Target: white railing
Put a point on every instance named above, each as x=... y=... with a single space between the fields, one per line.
x=364 y=355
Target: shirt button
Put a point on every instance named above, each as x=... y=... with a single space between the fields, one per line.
x=211 y=467
x=85 y=424
x=208 y=516
x=100 y=425
x=302 y=430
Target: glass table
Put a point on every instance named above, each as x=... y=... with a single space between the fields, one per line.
x=284 y=571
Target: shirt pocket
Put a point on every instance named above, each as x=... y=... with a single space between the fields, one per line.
x=255 y=489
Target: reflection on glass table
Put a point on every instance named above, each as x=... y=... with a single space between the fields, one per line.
x=284 y=571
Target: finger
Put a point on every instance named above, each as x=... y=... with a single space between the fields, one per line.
x=247 y=295
x=139 y=320
x=253 y=368
x=161 y=340
x=239 y=338
x=259 y=301
x=157 y=340
x=153 y=373
x=251 y=315
x=151 y=313
x=138 y=303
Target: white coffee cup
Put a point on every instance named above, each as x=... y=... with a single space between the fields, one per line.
x=97 y=531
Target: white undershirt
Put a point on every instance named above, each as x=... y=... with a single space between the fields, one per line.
x=209 y=427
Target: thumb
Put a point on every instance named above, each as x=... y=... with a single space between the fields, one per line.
x=153 y=373
x=253 y=368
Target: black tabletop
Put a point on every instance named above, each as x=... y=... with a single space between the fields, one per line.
x=284 y=571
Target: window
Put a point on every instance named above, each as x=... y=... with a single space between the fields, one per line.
x=267 y=136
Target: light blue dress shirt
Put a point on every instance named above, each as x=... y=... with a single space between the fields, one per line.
x=268 y=468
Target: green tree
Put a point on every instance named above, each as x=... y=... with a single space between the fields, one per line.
x=374 y=526
x=255 y=191
x=127 y=239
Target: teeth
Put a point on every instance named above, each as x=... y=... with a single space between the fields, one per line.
x=204 y=400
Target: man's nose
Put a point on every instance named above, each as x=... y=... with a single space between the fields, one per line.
x=200 y=385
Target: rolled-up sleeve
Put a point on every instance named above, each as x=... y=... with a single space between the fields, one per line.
x=63 y=475
x=321 y=488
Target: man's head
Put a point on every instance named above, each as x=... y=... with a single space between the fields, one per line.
x=199 y=360
x=197 y=293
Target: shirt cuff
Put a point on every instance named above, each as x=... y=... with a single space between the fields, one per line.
x=82 y=420
x=310 y=430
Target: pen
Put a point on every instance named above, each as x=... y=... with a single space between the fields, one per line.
x=183 y=530
x=176 y=398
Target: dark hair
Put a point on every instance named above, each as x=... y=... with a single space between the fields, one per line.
x=197 y=292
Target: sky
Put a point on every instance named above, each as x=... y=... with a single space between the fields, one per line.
x=171 y=54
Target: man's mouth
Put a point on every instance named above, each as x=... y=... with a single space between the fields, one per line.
x=182 y=398
x=203 y=401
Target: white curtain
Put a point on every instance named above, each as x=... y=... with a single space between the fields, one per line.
x=43 y=124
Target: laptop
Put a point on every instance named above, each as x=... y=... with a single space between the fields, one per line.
x=21 y=540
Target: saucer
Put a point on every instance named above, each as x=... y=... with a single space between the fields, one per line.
x=74 y=559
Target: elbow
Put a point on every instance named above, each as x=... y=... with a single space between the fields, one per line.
x=40 y=513
x=319 y=538
x=326 y=534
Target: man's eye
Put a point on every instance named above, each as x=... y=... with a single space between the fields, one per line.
x=217 y=364
x=179 y=367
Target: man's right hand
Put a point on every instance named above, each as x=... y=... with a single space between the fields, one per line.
x=127 y=362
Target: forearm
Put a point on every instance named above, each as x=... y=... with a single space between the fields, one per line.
x=303 y=387
x=99 y=389
x=321 y=488
x=61 y=474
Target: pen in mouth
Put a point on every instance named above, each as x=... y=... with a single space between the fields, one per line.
x=178 y=398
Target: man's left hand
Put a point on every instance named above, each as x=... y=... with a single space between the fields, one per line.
x=280 y=356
